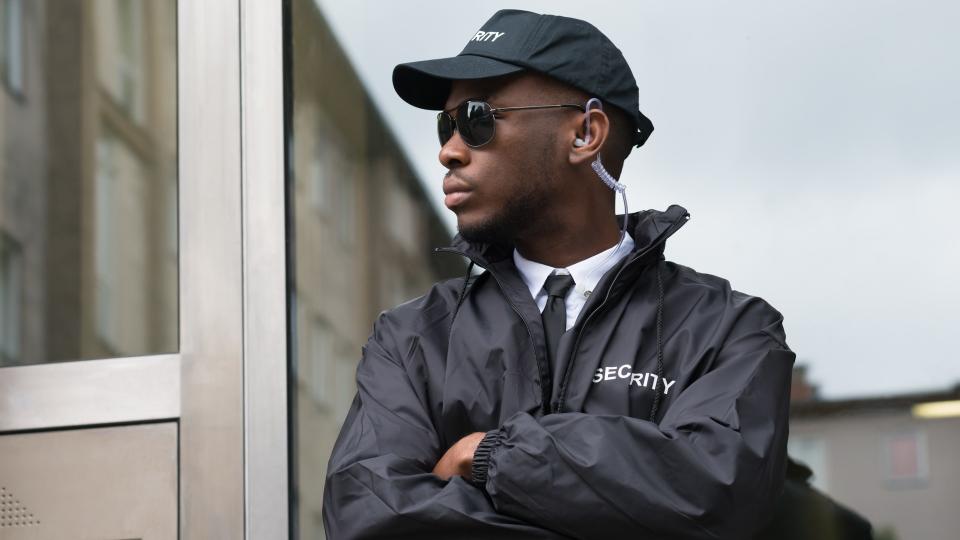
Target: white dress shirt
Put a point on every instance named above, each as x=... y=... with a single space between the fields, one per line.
x=586 y=274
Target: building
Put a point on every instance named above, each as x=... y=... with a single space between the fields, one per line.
x=889 y=458
x=364 y=233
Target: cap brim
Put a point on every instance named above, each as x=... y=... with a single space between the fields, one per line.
x=426 y=84
x=644 y=129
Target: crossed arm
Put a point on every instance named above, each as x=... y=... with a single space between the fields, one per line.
x=709 y=469
x=380 y=481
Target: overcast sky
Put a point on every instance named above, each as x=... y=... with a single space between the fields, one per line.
x=816 y=145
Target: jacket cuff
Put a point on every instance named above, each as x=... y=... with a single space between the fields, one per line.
x=481 y=457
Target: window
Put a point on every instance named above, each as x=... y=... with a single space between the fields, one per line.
x=130 y=61
x=811 y=451
x=11 y=298
x=320 y=355
x=121 y=257
x=403 y=219
x=120 y=55
x=347 y=212
x=905 y=459
x=11 y=41
x=318 y=141
x=103 y=247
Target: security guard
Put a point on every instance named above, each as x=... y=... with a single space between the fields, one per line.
x=479 y=413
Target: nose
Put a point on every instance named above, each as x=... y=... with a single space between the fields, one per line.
x=454 y=153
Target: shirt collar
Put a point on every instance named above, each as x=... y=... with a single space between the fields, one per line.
x=586 y=273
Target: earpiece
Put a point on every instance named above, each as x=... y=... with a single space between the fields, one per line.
x=593 y=102
x=597 y=165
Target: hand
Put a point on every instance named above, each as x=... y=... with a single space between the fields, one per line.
x=458 y=460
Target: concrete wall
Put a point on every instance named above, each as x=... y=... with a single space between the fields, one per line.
x=867 y=465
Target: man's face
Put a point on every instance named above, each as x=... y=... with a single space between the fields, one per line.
x=502 y=190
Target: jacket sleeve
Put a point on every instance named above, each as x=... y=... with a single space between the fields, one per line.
x=712 y=468
x=379 y=482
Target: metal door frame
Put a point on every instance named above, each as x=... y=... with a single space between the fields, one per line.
x=227 y=385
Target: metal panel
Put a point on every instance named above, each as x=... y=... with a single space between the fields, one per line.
x=89 y=392
x=211 y=321
x=110 y=483
x=264 y=269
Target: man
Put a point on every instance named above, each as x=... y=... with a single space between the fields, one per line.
x=581 y=386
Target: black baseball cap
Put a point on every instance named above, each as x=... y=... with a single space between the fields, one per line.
x=569 y=50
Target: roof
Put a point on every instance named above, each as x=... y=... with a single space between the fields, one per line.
x=888 y=402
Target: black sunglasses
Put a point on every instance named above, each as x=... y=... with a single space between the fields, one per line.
x=475 y=121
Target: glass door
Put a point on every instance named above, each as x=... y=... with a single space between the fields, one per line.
x=89 y=255
x=142 y=327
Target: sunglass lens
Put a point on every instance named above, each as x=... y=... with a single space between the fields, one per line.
x=445 y=127
x=475 y=122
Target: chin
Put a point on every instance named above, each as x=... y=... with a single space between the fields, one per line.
x=468 y=221
x=489 y=229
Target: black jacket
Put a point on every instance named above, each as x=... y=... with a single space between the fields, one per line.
x=571 y=449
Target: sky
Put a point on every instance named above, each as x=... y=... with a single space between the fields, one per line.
x=816 y=145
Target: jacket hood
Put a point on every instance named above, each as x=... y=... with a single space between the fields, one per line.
x=647 y=227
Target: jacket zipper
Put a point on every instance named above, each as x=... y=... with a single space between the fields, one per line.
x=544 y=388
x=576 y=345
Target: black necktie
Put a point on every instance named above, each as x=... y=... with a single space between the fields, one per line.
x=555 y=314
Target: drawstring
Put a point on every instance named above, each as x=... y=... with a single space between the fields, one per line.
x=461 y=296
x=656 y=398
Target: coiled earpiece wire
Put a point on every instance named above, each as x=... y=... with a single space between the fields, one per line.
x=609 y=181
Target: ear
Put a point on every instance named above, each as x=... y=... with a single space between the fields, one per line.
x=593 y=140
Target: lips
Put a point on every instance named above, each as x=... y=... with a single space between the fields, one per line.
x=456 y=198
x=456 y=191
